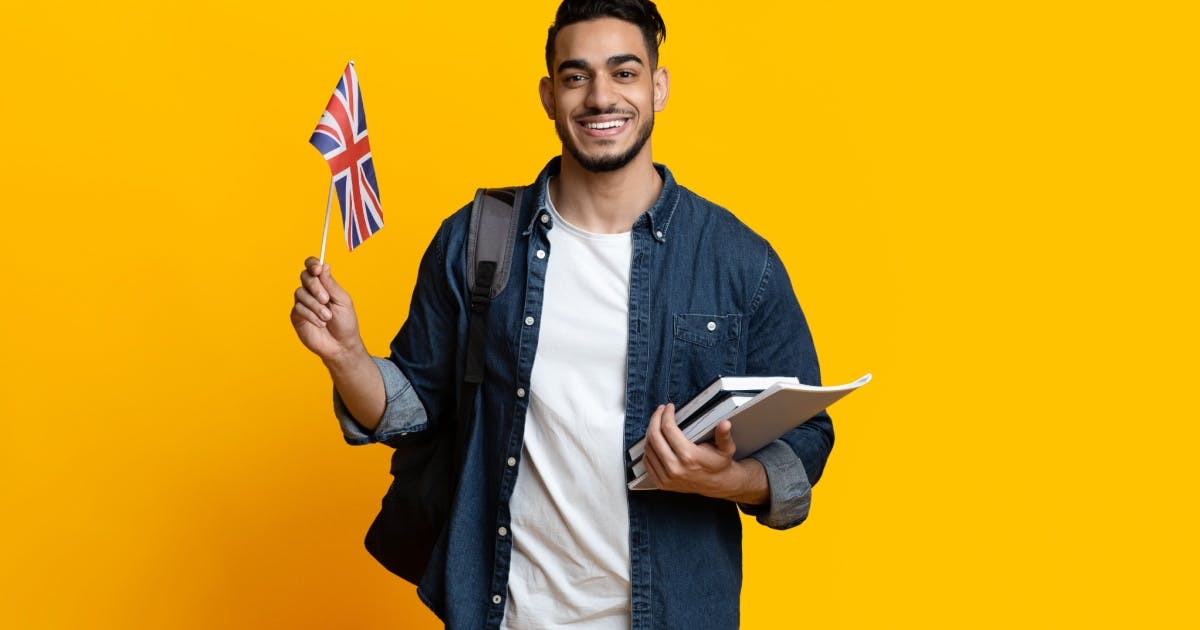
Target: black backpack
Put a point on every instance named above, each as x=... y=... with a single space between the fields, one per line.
x=426 y=465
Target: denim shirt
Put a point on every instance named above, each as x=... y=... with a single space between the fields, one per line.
x=707 y=297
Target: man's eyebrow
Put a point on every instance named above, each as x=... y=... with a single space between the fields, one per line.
x=574 y=64
x=615 y=60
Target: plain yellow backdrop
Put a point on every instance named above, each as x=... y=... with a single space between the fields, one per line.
x=988 y=205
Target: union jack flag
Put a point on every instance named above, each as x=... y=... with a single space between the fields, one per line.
x=341 y=137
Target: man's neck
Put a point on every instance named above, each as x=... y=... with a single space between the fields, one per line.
x=606 y=203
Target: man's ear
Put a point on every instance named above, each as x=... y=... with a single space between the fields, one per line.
x=662 y=88
x=546 y=92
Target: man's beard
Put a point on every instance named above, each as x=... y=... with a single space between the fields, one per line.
x=604 y=163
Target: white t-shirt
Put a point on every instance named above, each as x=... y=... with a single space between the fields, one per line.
x=570 y=516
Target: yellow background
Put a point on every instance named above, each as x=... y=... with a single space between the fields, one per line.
x=988 y=205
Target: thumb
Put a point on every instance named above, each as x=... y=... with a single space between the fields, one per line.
x=724 y=439
x=336 y=293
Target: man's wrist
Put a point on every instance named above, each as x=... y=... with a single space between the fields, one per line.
x=348 y=358
x=750 y=485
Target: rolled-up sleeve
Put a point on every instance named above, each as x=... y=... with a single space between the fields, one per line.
x=791 y=493
x=403 y=412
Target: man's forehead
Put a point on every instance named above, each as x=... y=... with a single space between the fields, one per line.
x=599 y=42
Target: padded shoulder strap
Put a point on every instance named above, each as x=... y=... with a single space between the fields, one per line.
x=493 y=232
x=492 y=235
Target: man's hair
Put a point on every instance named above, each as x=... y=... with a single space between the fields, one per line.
x=641 y=13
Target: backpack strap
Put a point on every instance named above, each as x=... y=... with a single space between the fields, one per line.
x=490 y=240
x=492 y=234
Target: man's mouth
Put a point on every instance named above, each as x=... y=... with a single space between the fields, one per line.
x=607 y=124
x=603 y=127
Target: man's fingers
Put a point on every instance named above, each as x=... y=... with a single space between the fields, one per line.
x=654 y=467
x=337 y=293
x=673 y=434
x=311 y=281
x=655 y=418
x=306 y=299
x=724 y=439
x=656 y=441
x=675 y=463
x=318 y=279
x=302 y=314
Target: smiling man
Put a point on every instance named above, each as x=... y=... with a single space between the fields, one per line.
x=627 y=291
x=609 y=103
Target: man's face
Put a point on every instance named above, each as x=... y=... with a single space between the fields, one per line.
x=603 y=93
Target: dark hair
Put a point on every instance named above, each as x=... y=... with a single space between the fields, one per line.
x=641 y=13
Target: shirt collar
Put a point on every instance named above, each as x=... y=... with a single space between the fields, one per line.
x=657 y=219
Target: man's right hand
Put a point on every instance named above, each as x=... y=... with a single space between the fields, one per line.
x=324 y=319
x=323 y=314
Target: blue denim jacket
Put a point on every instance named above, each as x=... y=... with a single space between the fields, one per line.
x=694 y=264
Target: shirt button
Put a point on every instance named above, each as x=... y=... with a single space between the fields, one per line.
x=545 y=218
x=529 y=321
x=658 y=234
x=503 y=531
x=541 y=253
x=712 y=326
x=512 y=461
x=520 y=392
x=495 y=599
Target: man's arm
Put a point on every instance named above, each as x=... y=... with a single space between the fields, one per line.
x=775 y=483
x=377 y=399
x=779 y=342
x=324 y=318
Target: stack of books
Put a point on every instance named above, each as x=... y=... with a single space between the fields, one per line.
x=760 y=409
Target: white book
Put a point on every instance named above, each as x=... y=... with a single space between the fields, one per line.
x=720 y=385
x=768 y=415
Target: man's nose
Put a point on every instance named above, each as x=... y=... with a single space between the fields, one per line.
x=600 y=93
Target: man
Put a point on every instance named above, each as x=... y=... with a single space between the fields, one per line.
x=626 y=291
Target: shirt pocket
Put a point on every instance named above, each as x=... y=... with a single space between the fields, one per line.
x=703 y=347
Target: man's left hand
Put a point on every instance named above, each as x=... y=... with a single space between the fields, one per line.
x=676 y=464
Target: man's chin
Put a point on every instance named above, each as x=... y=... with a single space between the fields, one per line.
x=606 y=162
x=603 y=163
x=609 y=161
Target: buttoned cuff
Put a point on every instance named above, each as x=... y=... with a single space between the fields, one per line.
x=403 y=412
x=791 y=493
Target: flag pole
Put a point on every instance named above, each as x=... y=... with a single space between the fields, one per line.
x=325 y=234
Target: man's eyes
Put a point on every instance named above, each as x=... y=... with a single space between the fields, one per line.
x=620 y=75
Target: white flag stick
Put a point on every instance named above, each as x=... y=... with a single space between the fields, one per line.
x=325 y=234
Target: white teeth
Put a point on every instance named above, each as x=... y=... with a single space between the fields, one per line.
x=605 y=125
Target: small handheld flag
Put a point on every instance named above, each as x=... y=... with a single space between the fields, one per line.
x=341 y=137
